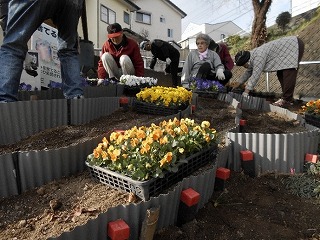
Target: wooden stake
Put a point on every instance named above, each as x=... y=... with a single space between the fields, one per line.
x=150 y=223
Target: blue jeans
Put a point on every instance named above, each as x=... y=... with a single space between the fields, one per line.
x=23 y=20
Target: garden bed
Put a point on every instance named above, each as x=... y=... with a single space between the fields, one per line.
x=62 y=205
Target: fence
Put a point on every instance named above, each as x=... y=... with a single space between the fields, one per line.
x=307 y=85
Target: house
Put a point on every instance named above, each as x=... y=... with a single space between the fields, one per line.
x=217 y=32
x=298 y=6
x=139 y=19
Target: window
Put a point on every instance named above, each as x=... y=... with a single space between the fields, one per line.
x=143 y=17
x=107 y=15
x=162 y=19
x=170 y=32
x=126 y=17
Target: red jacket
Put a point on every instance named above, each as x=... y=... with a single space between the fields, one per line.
x=129 y=47
x=225 y=56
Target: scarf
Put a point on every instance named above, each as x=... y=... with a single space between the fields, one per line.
x=203 y=55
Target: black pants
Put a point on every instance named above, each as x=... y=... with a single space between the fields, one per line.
x=205 y=72
x=173 y=69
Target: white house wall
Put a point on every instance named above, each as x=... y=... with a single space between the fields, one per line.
x=157 y=29
x=97 y=29
x=215 y=31
x=299 y=6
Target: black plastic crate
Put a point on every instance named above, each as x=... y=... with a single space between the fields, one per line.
x=312 y=120
x=151 y=108
x=154 y=186
x=207 y=94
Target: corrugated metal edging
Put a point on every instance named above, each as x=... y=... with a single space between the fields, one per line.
x=249 y=102
x=100 y=91
x=52 y=93
x=8 y=183
x=40 y=167
x=273 y=152
x=87 y=109
x=222 y=157
x=25 y=118
x=134 y=214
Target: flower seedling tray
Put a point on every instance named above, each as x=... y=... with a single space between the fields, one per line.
x=207 y=94
x=151 y=108
x=131 y=91
x=154 y=186
x=312 y=119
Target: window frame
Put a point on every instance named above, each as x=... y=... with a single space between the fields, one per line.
x=107 y=15
x=143 y=14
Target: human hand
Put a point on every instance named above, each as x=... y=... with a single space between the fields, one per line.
x=220 y=74
x=235 y=85
x=245 y=94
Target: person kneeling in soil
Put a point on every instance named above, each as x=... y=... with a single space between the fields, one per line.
x=282 y=55
x=222 y=50
x=202 y=63
x=120 y=55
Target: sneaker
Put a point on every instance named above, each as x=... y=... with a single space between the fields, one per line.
x=282 y=103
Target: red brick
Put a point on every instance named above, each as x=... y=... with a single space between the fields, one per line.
x=311 y=158
x=123 y=100
x=190 y=197
x=242 y=122
x=246 y=155
x=223 y=173
x=118 y=230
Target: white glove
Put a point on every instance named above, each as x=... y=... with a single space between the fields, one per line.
x=244 y=94
x=100 y=81
x=168 y=61
x=220 y=74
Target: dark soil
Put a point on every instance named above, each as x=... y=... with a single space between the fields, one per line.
x=249 y=208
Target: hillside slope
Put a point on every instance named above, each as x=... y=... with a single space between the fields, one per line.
x=309 y=74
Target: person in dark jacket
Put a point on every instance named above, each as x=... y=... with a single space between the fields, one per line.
x=163 y=51
x=120 y=55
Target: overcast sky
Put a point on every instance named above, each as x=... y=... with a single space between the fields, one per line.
x=216 y=11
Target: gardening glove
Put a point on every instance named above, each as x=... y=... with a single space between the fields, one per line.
x=245 y=95
x=100 y=81
x=220 y=74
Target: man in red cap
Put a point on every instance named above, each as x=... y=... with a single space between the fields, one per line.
x=120 y=56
